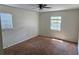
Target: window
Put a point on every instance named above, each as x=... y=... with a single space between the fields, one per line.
x=6 y=21
x=55 y=23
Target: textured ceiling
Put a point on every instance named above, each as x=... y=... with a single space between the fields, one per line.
x=54 y=7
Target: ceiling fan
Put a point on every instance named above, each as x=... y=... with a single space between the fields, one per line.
x=41 y=6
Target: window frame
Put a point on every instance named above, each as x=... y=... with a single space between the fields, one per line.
x=55 y=20
x=6 y=21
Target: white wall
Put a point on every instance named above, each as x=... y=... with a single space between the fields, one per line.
x=78 y=43
x=1 y=46
x=69 y=26
x=25 y=26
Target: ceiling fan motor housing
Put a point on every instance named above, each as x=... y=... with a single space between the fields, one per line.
x=41 y=6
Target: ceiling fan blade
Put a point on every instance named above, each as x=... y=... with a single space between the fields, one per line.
x=44 y=5
x=47 y=7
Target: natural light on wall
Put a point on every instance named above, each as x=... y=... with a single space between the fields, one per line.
x=55 y=23
x=6 y=21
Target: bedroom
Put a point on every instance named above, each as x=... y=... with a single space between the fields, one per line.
x=52 y=30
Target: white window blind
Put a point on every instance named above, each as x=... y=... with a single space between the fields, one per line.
x=6 y=21
x=55 y=23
